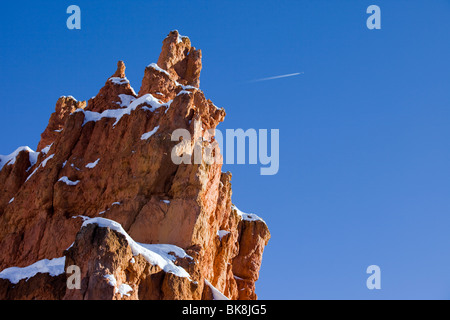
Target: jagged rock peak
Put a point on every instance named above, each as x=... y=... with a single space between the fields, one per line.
x=105 y=194
x=178 y=68
x=109 y=96
x=182 y=61
x=64 y=107
x=120 y=72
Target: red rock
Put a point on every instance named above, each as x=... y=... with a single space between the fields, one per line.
x=40 y=287
x=180 y=60
x=64 y=107
x=115 y=174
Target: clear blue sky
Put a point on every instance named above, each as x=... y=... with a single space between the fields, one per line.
x=364 y=133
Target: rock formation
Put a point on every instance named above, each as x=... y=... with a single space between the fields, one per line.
x=103 y=194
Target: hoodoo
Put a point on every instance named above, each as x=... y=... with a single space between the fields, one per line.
x=101 y=195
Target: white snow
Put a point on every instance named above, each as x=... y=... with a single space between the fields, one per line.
x=155 y=254
x=156 y=67
x=111 y=279
x=112 y=204
x=119 y=81
x=42 y=164
x=125 y=100
x=124 y=289
x=147 y=135
x=58 y=130
x=185 y=87
x=68 y=182
x=71 y=97
x=147 y=99
x=183 y=92
x=222 y=233
x=166 y=201
x=46 y=149
x=180 y=38
x=11 y=200
x=11 y=158
x=64 y=164
x=82 y=217
x=217 y=295
x=164 y=249
x=168 y=105
x=216 y=107
x=247 y=216
x=92 y=164
x=33 y=158
x=132 y=260
x=54 y=267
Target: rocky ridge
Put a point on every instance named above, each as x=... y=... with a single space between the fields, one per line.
x=103 y=194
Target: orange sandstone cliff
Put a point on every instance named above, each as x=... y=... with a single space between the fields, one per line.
x=102 y=194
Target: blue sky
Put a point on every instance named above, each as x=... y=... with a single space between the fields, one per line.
x=364 y=132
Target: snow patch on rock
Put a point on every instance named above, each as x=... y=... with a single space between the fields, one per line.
x=124 y=290
x=217 y=295
x=92 y=164
x=42 y=164
x=69 y=182
x=146 y=99
x=119 y=81
x=155 y=254
x=158 y=68
x=247 y=216
x=222 y=233
x=111 y=279
x=46 y=149
x=125 y=100
x=11 y=158
x=147 y=135
x=54 y=267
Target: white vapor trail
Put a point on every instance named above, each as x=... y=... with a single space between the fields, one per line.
x=278 y=77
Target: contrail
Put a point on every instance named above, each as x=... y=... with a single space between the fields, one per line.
x=277 y=77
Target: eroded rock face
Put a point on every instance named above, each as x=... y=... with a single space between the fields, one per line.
x=64 y=107
x=110 y=271
x=40 y=287
x=112 y=159
x=182 y=61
